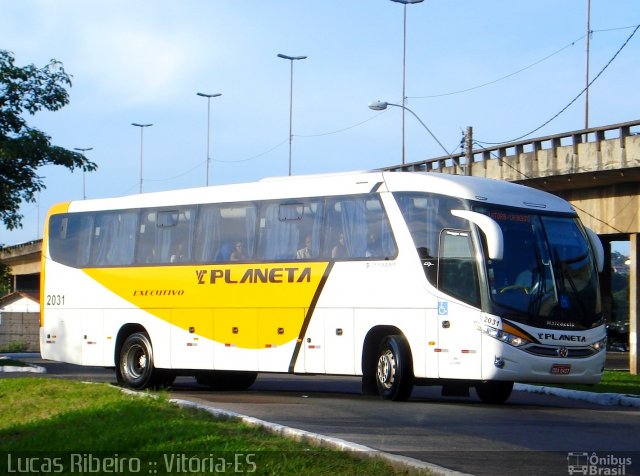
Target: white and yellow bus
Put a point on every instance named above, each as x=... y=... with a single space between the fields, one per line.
x=402 y=278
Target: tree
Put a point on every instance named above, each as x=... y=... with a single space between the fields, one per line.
x=23 y=149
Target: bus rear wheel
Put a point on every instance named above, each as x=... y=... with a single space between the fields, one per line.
x=394 y=375
x=494 y=391
x=135 y=364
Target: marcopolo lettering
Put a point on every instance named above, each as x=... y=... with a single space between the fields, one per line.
x=254 y=275
x=561 y=337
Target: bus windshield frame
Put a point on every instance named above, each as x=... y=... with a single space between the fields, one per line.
x=547 y=277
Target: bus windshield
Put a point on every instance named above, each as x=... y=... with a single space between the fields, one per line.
x=547 y=276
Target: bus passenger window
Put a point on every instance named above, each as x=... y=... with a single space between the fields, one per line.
x=279 y=232
x=357 y=227
x=380 y=242
x=70 y=238
x=346 y=228
x=114 y=238
x=237 y=226
x=165 y=236
x=207 y=244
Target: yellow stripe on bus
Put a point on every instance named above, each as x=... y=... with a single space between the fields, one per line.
x=243 y=305
x=54 y=210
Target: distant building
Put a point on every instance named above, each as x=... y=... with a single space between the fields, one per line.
x=20 y=309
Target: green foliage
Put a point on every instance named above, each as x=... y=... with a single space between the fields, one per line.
x=23 y=149
x=14 y=346
x=613 y=381
x=5 y=278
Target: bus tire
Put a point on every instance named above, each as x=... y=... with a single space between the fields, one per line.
x=135 y=364
x=394 y=374
x=227 y=380
x=494 y=391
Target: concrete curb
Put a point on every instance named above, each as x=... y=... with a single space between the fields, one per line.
x=30 y=368
x=609 y=399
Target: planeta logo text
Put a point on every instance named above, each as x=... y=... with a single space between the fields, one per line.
x=254 y=275
x=561 y=337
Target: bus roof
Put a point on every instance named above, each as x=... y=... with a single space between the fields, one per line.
x=482 y=189
x=485 y=190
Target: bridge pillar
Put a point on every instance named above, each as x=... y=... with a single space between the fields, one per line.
x=634 y=302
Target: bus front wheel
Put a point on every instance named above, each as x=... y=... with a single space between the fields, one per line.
x=494 y=391
x=135 y=365
x=394 y=375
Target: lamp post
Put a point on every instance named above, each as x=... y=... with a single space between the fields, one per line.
x=404 y=62
x=208 y=96
x=141 y=126
x=291 y=60
x=84 y=186
x=382 y=105
x=586 y=97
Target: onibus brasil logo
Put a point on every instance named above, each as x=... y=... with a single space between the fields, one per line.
x=594 y=464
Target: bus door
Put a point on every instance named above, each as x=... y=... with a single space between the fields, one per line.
x=458 y=345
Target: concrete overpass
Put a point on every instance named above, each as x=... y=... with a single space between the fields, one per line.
x=596 y=169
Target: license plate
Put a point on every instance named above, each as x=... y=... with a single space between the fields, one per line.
x=561 y=369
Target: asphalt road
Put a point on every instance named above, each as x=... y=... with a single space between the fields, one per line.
x=530 y=434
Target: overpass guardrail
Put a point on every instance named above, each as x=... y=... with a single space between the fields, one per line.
x=573 y=139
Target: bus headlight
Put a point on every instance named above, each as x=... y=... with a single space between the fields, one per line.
x=506 y=337
x=599 y=345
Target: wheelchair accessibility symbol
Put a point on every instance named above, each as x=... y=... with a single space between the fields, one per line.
x=443 y=308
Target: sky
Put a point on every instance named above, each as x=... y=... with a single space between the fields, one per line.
x=503 y=67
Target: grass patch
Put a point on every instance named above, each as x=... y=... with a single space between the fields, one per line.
x=40 y=416
x=613 y=381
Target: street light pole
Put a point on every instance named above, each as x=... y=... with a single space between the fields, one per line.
x=586 y=97
x=208 y=96
x=84 y=186
x=404 y=64
x=382 y=105
x=141 y=126
x=291 y=60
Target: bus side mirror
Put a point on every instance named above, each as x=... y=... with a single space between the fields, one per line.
x=490 y=228
x=596 y=246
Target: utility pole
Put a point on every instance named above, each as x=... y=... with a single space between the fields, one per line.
x=468 y=150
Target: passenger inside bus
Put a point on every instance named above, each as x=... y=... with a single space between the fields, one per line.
x=340 y=248
x=374 y=248
x=305 y=253
x=224 y=254
x=238 y=253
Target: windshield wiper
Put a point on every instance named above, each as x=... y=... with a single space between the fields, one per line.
x=567 y=276
x=537 y=284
